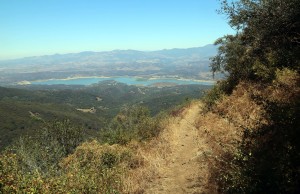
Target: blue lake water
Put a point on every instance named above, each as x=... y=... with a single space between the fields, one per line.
x=125 y=80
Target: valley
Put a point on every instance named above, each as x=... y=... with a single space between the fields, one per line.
x=24 y=108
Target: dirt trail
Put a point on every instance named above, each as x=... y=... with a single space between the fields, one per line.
x=182 y=170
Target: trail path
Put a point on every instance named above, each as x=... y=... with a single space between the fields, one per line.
x=182 y=171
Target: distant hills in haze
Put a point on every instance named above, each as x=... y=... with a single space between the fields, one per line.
x=116 y=55
x=190 y=62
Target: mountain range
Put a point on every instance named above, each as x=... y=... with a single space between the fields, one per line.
x=190 y=62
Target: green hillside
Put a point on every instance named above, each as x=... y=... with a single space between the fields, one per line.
x=25 y=110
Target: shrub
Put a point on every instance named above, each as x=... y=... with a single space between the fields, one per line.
x=95 y=168
x=132 y=123
x=220 y=89
x=42 y=151
x=92 y=168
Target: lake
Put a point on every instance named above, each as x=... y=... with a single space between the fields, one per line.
x=125 y=80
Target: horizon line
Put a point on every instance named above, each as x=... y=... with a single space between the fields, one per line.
x=65 y=53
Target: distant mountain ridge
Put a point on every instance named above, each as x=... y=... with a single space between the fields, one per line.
x=187 y=63
x=201 y=52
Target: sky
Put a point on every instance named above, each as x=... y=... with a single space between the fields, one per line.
x=44 y=27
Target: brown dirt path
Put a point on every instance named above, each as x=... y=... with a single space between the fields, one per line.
x=181 y=171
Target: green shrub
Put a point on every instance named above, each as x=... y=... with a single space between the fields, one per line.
x=132 y=123
x=213 y=95
x=42 y=151
x=13 y=178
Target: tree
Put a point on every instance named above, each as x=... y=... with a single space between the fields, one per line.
x=267 y=37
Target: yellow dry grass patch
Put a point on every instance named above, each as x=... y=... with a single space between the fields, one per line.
x=240 y=109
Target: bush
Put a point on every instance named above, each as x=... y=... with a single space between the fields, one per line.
x=42 y=151
x=132 y=123
x=220 y=89
x=94 y=168
x=13 y=177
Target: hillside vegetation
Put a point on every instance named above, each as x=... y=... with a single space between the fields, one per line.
x=259 y=100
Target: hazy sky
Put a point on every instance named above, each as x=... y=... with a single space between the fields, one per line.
x=38 y=27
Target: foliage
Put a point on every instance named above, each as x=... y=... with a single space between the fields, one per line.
x=92 y=168
x=213 y=95
x=132 y=123
x=27 y=164
x=50 y=160
x=267 y=38
x=43 y=151
x=96 y=168
x=20 y=118
x=14 y=180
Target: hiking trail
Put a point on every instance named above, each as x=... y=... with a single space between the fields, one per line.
x=181 y=171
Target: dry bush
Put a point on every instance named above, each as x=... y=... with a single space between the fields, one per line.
x=113 y=168
x=95 y=168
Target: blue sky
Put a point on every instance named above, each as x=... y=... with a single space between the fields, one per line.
x=39 y=27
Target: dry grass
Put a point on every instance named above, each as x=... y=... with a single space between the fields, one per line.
x=223 y=127
x=219 y=136
x=138 y=179
x=241 y=109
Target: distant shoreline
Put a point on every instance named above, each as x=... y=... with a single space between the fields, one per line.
x=25 y=82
